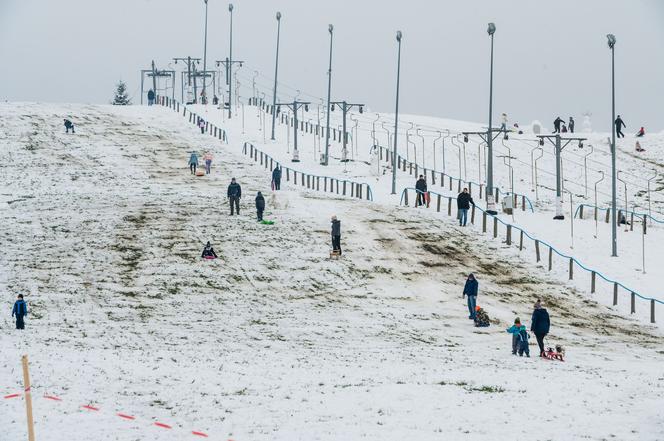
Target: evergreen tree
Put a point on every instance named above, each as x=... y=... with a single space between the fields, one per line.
x=121 y=96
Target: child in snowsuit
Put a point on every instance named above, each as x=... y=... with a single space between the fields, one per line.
x=519 y=338
x=260 y=206
x=481 y=318
x=208 y=252
x=20 y=310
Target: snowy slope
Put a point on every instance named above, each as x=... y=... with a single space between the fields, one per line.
x=102 y=231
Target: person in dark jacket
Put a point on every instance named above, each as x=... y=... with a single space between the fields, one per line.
x=421 y=187
x=464 y=199
x=150 y=97
x=470 y=290
x=208 y=252
x=336 y=235
x=619 y=126
x=276 y=178
x=234 y=194
x=571 y=125
x=540 y=325
x=556 y=125
x=260 y=206
x=69 y=126
x=20 y=310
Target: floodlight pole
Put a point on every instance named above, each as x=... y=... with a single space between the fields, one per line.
x=276 y=69
x=345 y=107
x=614 y=221
x=490 y=206
x=229 y=68
x=205 y=52
x=396 y=118
x=326 y=160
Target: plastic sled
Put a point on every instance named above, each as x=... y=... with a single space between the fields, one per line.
x=200 y=173
x=267 y=222
x=209 y=257
x=553 y=355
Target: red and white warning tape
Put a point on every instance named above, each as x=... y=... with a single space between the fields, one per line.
x=91 y=408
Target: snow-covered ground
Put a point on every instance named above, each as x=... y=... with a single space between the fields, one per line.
x=102 y=232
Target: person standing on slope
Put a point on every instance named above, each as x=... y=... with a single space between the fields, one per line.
x=540 y=325
x=276 y=178
x=69 y=125
x=336 y=235
x=193 y=163
x=571 y=125
x=207 y=157
x=619 y=126
x=201 y=125
x=234 y=194
x=463 y=205
x=150 y=97
x=556 y=125
x=421 y=189
x=470 y=290
x=503 y=124
x=20 y=310
x=260 y=206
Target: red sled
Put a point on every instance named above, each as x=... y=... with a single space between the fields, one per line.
x=209 y=257
x=553 y=355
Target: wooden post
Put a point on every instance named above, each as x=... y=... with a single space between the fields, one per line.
x=484 y=222
x=495 y=227
x=537 y=253
x=581 y=211
x=631 y=221
x=509 y=235
x=405 y=197
x=523 y=203
x=344 y=189
x=438 y=204
x=480 y=191
x=607 y=216
x=520 y=240
x=633 y=310
x=615 y=294
x=472 y=215
x=645 y=229
x=550 y=258
x=571 y=268
x=592 y=282
x=449 y=207
x=652 y=310
x=28 y=398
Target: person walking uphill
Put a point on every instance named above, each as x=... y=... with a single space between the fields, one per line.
x=193 y=162
x=619 y=126
x=201 y=125
x=260 y=206
x=234 y=194
x=69 y=126
x=336 y=235
x=463 y=205
x=20 y=310
x=276 y=178
x=571 y=125
x=540 y=325
x=421 y=187
x=207 y=157
x=470 y=290
x=556 y=125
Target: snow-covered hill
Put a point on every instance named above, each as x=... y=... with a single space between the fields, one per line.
x=102 y=231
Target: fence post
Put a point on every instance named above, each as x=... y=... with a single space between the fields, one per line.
x=550 y=258
x=344 y=189
x=287 y=174
x=308 y=180
x=438 y=204
x=645 y=229
x=615 y=293
x=652 y=310
x=449 y=207
x=472 y=215
x=581 y=211
x=537 y=253
x=607 y=216
x=317 y=183
x=484 y=222
x=480 y=191
x=495 y=227
x=571 y=268
x=633 y=308
x=631 y=221
x=359 y=191
x=509 y=235
x=592 y=282
x=405 y=197
x=520 y=240
x=523 y=203
x=294 y=177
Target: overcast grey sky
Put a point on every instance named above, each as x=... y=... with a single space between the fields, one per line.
x=551 y=58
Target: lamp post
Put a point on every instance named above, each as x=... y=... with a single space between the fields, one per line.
x=230 y=63
x=329 y=91
x=204 y=100
x=490 y=207
x=614 y=239
x=396 y=118
x=276 y=68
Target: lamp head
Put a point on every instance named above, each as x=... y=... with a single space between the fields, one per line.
x=278 y=16
x=230 y=7
x=330 y=28
x=399 y=35
x=491 y=29
x=611 y=40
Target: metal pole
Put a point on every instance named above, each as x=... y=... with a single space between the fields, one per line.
x=276 y=69
x=230 y=63
x=489 y=175
x=343 y=134
x=396 y=118
x=154 y=79
x=205 y=49
x=295 y=152
x=330 y=29
x=614 y=221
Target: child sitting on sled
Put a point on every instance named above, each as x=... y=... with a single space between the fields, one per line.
x=208 y=252
x=481 y=318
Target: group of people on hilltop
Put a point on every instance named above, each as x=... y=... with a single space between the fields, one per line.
x=540 y=323
x=560 y=127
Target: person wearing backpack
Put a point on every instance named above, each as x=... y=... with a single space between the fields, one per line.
x=20 y=310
